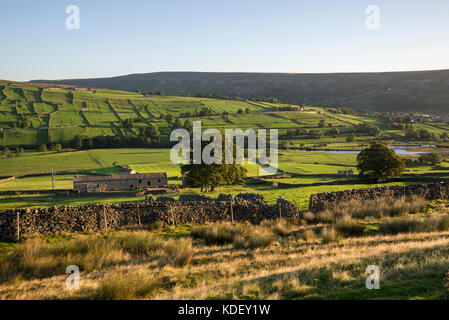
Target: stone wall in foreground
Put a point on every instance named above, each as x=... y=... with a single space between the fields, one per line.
x=21 y=223
x=429 y=191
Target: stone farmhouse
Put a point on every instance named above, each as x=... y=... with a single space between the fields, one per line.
x=119 y=182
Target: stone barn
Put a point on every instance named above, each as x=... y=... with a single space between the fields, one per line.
x=119 y=182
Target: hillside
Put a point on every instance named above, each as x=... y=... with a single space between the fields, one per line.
x=425 y=91
x=34 y=114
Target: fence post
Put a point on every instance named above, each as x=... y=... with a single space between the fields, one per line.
x=18 y=226
x=232 y=209
x=297 y=210
x=105 y=221
x=138 y=215
x=280 y=211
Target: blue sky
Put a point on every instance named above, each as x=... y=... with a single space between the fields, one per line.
x=122 y=37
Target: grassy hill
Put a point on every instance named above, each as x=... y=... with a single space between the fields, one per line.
x=33 y=114
x=388 y=91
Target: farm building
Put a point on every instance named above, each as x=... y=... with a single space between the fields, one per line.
x=119 y=182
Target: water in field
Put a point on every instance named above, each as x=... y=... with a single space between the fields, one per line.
x=397 y=149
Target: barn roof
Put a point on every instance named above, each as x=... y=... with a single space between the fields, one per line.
x=117 y=177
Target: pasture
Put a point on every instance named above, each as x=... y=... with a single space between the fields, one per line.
x=57 y=114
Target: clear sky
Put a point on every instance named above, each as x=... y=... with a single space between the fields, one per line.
x=298 y=36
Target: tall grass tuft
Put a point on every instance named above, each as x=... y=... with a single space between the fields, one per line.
x=126 y=286
x=177 y=253
x=378 y=208
x=414 y=224
x=329 y=234
x=281 y=227
x=218 y=233
x=37 y=258
x=349 y=226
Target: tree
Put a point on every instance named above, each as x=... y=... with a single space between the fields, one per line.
x=247 y=110
x=170 y=118
x=322 y=123
x=19 y=151
x=209 y=176
x=315 y=134
x=128 y=123
x=379 y=161
x=42 y=148
x=432 y=158
x=6 y=153
x=240 y=111
x=78 y=142
x=351 y=137
x=177 y=123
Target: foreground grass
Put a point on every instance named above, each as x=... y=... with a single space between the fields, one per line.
x=278 y=259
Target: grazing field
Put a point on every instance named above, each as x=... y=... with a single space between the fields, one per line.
x=64 y=112
x=315 y=171
x=308 y=258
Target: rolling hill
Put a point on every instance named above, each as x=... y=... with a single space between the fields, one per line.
x=425 y=91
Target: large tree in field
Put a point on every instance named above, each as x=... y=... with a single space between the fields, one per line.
x=209 y=176
x=379 y=161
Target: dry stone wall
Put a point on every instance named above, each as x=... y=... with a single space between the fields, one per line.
x=429 y=191
x=21 y=223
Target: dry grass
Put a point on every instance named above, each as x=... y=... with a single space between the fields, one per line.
x=348 y=226
x=414 y=224
x=259 y=262
x=307 y=235
x=126 y=286
x=329 y=234
x=379 y=208
x=218 y=233
x=37 y=258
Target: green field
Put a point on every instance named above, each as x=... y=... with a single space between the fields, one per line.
x=307 y=168
x=62 y=113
